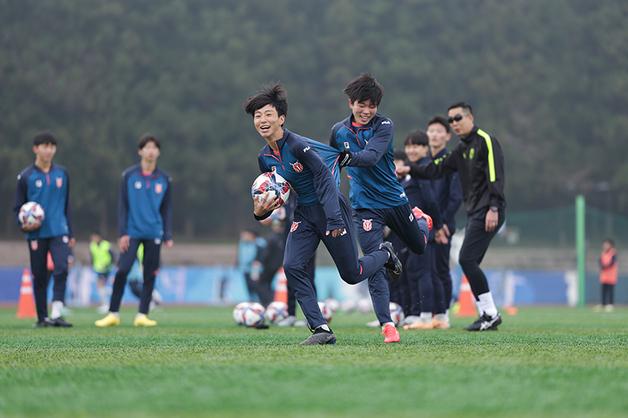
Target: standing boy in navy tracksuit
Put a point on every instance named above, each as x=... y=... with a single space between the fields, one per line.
x=49 y=185
x=321 y=213
x=145 y=217
x=365 y=140
x=448 y=194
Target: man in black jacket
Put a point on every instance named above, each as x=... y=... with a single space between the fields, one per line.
x=479 y=161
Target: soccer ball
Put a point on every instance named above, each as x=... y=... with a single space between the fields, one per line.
x=327 y=313
x=238 y=312
x=271 y=182
x=31 y=214
x=332 y=304
x=396 y=313
x=253 y=315
x=276 y=311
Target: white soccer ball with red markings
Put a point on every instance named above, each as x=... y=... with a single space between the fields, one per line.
x=276 y=311
x=396 y=313
x=31 y=214
x=238 y=312
x=327 y=313
x=272 y=183
x=253 y=315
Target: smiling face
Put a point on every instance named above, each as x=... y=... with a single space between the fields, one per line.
x=268 y=123
x=363 y=112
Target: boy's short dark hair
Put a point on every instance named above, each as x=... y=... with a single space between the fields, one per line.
x=44 y=138
x=610 y=242
x=146 y=138
x=399 y=155
x=274 y=95
x=417 y=137
x=440 y=121
x=465 y=106
x=364 y=87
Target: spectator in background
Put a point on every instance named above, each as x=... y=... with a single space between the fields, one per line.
x=268 y=260
x=101 y=259
x=608 y=273
x=248 y=246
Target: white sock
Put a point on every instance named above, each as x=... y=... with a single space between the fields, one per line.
x=102 y=294
x=139 y=315
x=57 y=307
x=486 y=304
x=325 y=327
x=116 y=314
x=388 y=323
x=425 y=317
x=441 y=317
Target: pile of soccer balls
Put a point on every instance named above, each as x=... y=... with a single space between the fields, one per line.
x=253 y=314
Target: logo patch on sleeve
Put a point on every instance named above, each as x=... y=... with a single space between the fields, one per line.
x=159 y=188
x=367 y=224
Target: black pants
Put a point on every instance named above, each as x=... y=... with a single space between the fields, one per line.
x=442 y=274
x=152 y=249
x=292 y=299
x=60 y=251
x=608 y=292
x=474 y=246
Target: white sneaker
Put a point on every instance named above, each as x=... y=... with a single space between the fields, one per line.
x=373 y=324
x=411 y=319
x=300 y=323
x=287 y=322
x=608 y=308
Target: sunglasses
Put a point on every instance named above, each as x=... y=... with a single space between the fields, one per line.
x=456 y=118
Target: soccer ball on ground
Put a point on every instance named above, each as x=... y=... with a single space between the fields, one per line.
x=327 y=313
x=253 y=315
x=238 y=312
x=276 y=312
x=31 y=215
x=396 y=313
x=273 y=183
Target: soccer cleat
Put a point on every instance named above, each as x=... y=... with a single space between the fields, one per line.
x=288 y=321
x=141 y=320
x=485 y=323
x=419 y=325
x=61 y=322
x=320 y=337
x=110 y=320
x=418 y=214
x=390 y=333
x=438 y=324
x=44 y=324
x=393 y=265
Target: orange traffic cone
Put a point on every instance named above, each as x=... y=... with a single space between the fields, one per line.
x=281 y=289
x=26 y=303
x=466 y=300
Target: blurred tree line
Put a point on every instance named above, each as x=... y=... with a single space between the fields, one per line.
x=548 y=79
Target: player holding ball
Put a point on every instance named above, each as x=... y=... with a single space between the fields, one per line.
x=48 y=185
x=322 y=213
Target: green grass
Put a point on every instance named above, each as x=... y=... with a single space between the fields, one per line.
x=543 y=362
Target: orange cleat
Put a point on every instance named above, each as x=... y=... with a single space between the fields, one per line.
x=390 y=333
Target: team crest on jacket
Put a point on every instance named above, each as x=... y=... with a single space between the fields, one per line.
x=297 y=166
x=158 y=188
x=367 y=224
x=59 y=182
x=295 y=226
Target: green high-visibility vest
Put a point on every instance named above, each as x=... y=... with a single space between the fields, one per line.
x=101 y=257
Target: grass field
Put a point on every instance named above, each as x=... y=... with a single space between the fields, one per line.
x=543 y=362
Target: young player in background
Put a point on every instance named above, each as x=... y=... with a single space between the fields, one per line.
x=365 y=140
x=101 y=259
x=145 y=217
x=608 y=273
x=448 y=194
x=321 y=213
x=49 y=185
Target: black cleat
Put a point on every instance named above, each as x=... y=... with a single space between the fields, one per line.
x=320 y=337
x=393 y=265
x=44 y=324
x=485 y=323
x=60 y=322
